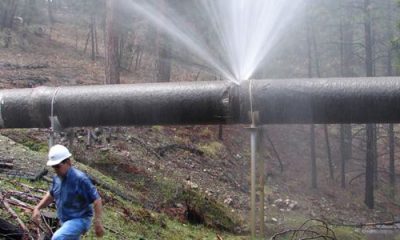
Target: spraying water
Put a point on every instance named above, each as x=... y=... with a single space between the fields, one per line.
x=236 y=35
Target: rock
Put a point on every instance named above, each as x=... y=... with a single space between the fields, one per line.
x=192 y=185
x=179 y=205
x=285 y=205
x=209 y=192
x=228 y=201
x=313 y=214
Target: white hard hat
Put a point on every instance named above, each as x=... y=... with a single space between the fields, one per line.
x=57 y=154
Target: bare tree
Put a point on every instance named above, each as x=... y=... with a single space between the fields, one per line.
x=371 y=128
x=112 y=43
x=163 y=51
x=9 y=8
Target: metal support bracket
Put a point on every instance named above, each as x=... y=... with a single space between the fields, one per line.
x=55 y=127
x=55 y=124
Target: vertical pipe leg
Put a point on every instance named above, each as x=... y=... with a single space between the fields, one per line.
x=261 y=186
x=253 y=142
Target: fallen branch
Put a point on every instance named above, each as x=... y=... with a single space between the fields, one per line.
x=6 y=165
x=306 y=231
x=9 y=231
x=30 y=188
x=361 y=225
x=315 y=235
x=26 y=197
x=115 y=232
x=16 y=202
x=274 y=150
x=19 y=175
x=114 y=190
x=150 y=150
x=48 y=228
x=30 y=79
x=12 y=66
x=14 y=215
x=41 y=174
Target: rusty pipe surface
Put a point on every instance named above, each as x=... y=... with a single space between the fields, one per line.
x=277 y=101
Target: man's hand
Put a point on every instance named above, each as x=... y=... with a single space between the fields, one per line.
x=98 y=228
x=98 y=212
x=36 y=215
x=46 y=200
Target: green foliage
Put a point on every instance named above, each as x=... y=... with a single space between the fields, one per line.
x=35 y=146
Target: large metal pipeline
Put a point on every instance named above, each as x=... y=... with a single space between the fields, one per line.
x=331 y=100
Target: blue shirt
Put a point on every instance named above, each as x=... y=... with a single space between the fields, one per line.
x=74 y=195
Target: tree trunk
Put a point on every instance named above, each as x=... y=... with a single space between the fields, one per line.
x=389 y=36
x=368 y=39
x=348 y=140
x=313 y=163
x=346 y=41
x=164 y=52
x=112 y=34
x=371 y=163
x=92 y=29
x=369 y=168
x=50 y=11
x=328 y=149
x=30 y=11
x=375 y=154
x=8 y=14
x=313 y=158
x=392 y=170
x=346 y=70
x=220 y=132
x=343 y=156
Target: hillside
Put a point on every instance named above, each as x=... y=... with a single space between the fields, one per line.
x=153 y=178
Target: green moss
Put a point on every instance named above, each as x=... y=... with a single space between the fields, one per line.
x=36 y=146
x=157 y=128
x=214 y=214
x=22 y=136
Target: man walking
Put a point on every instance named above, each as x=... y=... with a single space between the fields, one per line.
x=75 y=197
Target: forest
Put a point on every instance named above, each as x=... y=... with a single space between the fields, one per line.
x=189 y=181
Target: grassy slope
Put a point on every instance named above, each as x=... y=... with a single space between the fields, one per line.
x=128 y=220
x=122 y=219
